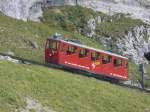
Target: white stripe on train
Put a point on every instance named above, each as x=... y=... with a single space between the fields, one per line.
x=115 y=75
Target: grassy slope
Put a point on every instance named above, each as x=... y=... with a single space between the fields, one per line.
x=17 y=81
x=118 y=27
x=64 y=91
x=68 y=18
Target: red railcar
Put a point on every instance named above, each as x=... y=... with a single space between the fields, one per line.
x=74 y=55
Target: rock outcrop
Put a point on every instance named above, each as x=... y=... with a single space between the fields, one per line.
x=31 y=9
x=133 y=44
x=138 y=9
x=22 y=9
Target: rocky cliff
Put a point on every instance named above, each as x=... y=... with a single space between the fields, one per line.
x=133 y=43
x=139 y=9
x=31 y=9
x=22 y=9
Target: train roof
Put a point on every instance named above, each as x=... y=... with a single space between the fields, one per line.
x=87 y=47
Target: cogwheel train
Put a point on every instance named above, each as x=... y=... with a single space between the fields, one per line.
x=72 y=54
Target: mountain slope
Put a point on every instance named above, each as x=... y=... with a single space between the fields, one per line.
x=64 y=92
x=32 y=9
x=27 y=39
x=22 y=9
x=55 y=89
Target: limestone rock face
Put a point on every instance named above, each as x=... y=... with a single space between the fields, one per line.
x=91 y=26
x=138 y=9
x=133 y=45
x=31 y=9
x=22 y=9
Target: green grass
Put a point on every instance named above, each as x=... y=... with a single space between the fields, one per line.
x=64 y=92
x=147 y=77
x=69 y=18
x=72 y=18
x=134 y=73
x=118 y=27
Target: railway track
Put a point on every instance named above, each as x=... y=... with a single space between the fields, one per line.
x=26 y=61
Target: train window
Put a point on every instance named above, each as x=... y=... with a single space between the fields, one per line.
x=95 y=56
x=117 y=62
x=71 y=50
x=53 y=45
x=83 y=53
x=62 y=48
x=109 y=59
x=106 y=59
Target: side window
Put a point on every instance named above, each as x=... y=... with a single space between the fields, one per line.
x=62 y=47
x=106 y=59
x=95 y=56
x=109 y=59
x=53 y=45
x=83 y=53
x=71 y=50
x=117 y=62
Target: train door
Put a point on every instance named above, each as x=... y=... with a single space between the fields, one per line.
x=52 y=51
x=71 y=55
x=106 y=64
x=121 y=68
x=95 y=62
x=62 y=54
x=84 y=59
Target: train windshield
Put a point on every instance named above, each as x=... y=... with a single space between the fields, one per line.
x=53 y=45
